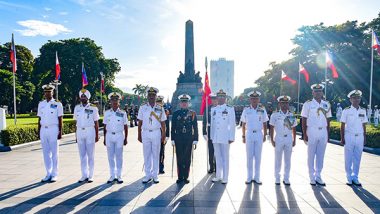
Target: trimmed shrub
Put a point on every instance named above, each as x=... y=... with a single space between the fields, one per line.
x=28 y=133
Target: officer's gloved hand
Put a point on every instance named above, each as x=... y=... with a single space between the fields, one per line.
x=195 y=142
x=205 y=137
x=173 y=144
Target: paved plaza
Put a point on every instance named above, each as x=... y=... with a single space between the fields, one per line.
x=21 y=191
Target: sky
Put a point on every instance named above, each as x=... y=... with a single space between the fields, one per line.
x=148 y=36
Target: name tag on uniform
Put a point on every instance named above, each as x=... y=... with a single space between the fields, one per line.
x=361 y=115
x=88 y=111
x=53 y=106
x=225 y=112
x=119 y=114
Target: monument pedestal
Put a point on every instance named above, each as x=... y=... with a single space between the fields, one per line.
x=192 y=89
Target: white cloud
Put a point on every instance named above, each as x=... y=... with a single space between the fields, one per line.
x=63 y=13
x=47 y=9
x=36 y=27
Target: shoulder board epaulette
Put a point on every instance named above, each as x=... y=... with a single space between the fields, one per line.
x=57 y=101
x=93 y=105
x=347 y=107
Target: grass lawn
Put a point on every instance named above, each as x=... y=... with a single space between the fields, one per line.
x=27 y=121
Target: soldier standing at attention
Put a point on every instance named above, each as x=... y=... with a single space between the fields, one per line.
x=151 y=133
x=254 y=119
x=87 y=134
x=160 y=101
x=353 y=136
x=206 y=133
x=115 y=137
x=184 y=136
x=338 y=112
x=50 y=114
x=284 y=123
x=222 y=135
x=316 y=114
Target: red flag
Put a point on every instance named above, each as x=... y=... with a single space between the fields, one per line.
x=84 y=77
x=375 y=42
x=102 y=84
x=303 y=71
x=206 y=95
x=330 y=64
x=285 y=77
x=13 y=55
x=57 y=68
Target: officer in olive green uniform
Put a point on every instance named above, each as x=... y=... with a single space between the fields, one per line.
x=184 y=134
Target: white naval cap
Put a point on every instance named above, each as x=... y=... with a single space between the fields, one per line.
x=160 y=98
x=85 y=92
x=212 y=95
x=184 y=97
x=355 y=93
x=151 y=90
x=283 y=99
x=317 y=87
x=254 y=93
x=48 y=87
x=114 y=95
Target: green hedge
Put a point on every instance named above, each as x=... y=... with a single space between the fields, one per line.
x=373 y=134
x=28 y=133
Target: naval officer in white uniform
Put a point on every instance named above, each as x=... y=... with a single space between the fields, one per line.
x=50 y=114
x=353 y=136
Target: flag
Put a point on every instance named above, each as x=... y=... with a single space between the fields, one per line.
x=375 y=42
x=57 y=67
x=13 y=55
x=330 y=64
x=303 y=71
x=285 y=77
x=102 y=84
x=206 y=94
x=84 y=77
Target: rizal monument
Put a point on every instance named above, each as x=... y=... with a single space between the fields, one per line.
x=189 y=82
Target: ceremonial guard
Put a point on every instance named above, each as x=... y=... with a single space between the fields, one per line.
x=254 y=127
x=86 y=116
x=222 y=135
x=338 y=112
x=369 y=113
x=353 y=136
x=116 y=132
x=160 y=101
x=284 y=123
x=316 y=114
x=184 y=135
x=206 y=133
x=151 y=133
x=50 y=114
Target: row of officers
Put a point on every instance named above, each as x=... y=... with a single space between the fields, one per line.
x=218 y=130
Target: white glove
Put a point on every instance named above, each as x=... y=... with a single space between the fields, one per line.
x=195 y=142
x=166 y=139
x=173 y=144
x=205 y=137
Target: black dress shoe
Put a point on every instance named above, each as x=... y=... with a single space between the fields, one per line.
x=162 y=172
x=147 y=181
x=257 y=182
x=186 y=181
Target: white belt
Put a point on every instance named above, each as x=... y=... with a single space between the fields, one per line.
x=50 y=126
x=84 y=128
x=150 y=130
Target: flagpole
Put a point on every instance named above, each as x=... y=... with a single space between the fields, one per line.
x=370 y=84
x=326 y=75
x=101 y=94
x=281 y=84
x=206 y=64
x=14 y=96
x=298 y=95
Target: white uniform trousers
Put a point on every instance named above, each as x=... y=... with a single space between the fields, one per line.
x=86 y=147
x=376 y=121
x=222 y=160
x=352 y=154
x=114 y=142
x=316 y=150
x=50 y=148
x=254 y=147
x=283 y=147
x=151 y=140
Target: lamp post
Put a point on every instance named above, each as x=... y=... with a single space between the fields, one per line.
x=56 y=83
x=328 y=81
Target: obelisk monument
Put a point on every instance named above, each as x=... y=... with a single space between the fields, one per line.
x=189 y=82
